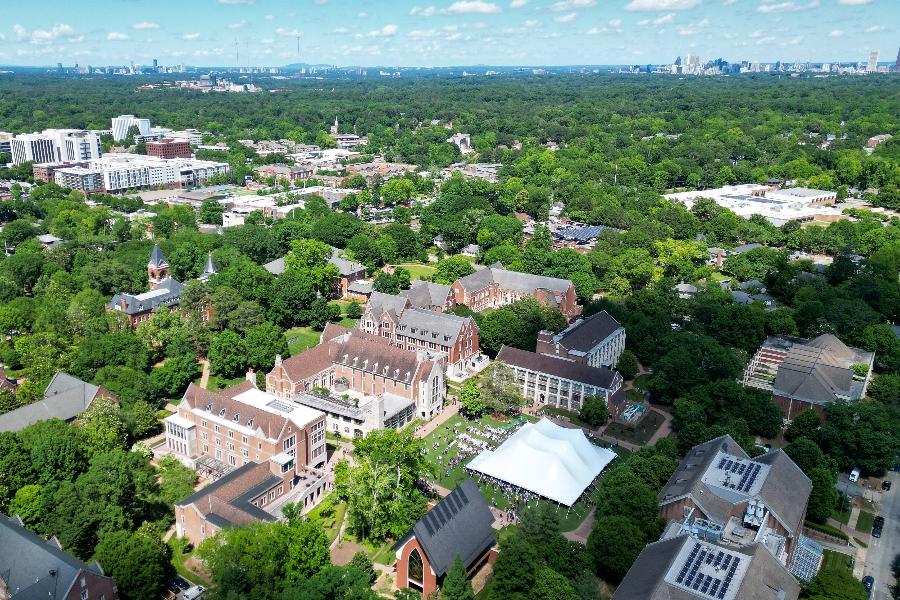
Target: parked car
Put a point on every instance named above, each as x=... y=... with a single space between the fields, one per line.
x=876 y=532
x=879 y=521
x=886 y=485
x=868 y=583
x=854 y=475
x=194 y=593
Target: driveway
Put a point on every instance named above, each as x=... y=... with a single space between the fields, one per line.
x=883 y=550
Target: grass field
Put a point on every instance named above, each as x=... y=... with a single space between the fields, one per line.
x=865 y=521
x=179 y=558
x=637 y=433
x=220 y=383
x=837 y=561
x=841 y=517
x=418 y=271
x=330 y=515
x=300 y=339
x=450 y=477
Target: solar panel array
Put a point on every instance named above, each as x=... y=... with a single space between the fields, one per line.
x=746 y=471
x=708 y=571
x=445 y=510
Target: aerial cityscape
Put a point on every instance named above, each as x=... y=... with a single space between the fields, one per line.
x=471 y=299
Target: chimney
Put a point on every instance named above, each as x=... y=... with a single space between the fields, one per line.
x=251 y=377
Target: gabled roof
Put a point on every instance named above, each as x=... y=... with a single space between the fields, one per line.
x=585 y=334
x=65 y=398
x=370 y=354
x=819 y=370
x=345 y=267
x=167 y=293
x=426 y=294
x=512 y=280
x=428 y=326
x=222 y=404
x=26 y=561
x=380 y=303
x=157 y=258
x=458 y=524
x=311 y=362
x=600 y=377
x=226 y=501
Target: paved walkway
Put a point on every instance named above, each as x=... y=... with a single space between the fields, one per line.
x=426 y=428
x=665 y=428
x=580 y=534
x=204 y=379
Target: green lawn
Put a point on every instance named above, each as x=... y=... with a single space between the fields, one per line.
x=836 y=561
x=865 y=521
x=842 y=517
x=330 y=515
x=634 y=395
x=178 y=561
x=220 y=383
x=300 y=339
x=418 y=271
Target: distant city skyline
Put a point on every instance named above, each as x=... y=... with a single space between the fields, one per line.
x=446 y=32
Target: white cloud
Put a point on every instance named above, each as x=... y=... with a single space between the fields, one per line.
x=566 y=18
x=615 y=22
x=461 y=7
x=789 y=6
x=341 y=30
x=453 y=37
x=190 y=36
x=637 y=5
x=386 y=31
x=564 y=5
x=874 y=28
x=38 y=37
x=288 y=32
x=145 y=25
x=664 y=19
x=237 y=1
x=238 y=24
x=766 y=40
x=362 y=15
x=592 y=31
x=115 y=36
x=835 y=33
x=423 y=12
x=518 y=3
x=853 y=2
x=532 y=23
x=269 y=17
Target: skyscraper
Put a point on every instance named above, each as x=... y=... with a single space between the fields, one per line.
x=897 y=64
x=873 y=62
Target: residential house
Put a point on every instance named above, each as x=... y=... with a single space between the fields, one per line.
x=279 y=171
x=393 y=318
x=803 y=373
x=561 y=383
x=458 y=525
x=33 y=568
x=597 y=341
x=736 y=500
x=495 y=286
x=65 y=398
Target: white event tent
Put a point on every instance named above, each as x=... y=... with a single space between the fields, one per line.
x=546 y=459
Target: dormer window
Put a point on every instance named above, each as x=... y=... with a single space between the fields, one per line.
x=222 y=413
x=209 y=407
x=250 y=423
x=236 y=418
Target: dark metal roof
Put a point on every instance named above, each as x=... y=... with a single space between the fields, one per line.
x=157 y=258
x=584 y=335
x=458 y=524
x=65 y=398
x=600 y=377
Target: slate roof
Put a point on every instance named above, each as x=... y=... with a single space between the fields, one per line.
x=428 y=326
x=168 y=293
x=157 y=258
x=582 y=234
x=458 y=524
x=380 y=303
x=818 y=371
x=226 y=501
x=345 y=267
x=276 y=267
x=365 y=353
x=600 y=377
x=27 y=559
x=585 y=334
x=512 y=280
x=312 y=361
x=425 y=294
x=785 y=490
x=65 y=398
x=764 y=579
x=745 y=248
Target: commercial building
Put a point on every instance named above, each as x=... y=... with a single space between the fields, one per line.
x=803 y=373
x=65 y=398
x=561 y=383
x=169 y=148
x=726 y=497
x=459 y=525
x=361 y=366
x=495 y=286
x=32 y=567
x=122 y=124
x=79 y=178
x=393 y=318
x=597 y=341
x=47 y=171
x=280 y=171
x=217 y=431
x=54 y=146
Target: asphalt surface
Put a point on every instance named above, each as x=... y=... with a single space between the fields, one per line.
x=883 y=550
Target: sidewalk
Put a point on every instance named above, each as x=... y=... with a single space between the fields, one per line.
x=426 y=428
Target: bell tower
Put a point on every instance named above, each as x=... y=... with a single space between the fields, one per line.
x=157 y=268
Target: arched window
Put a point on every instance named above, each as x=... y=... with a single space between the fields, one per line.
x=415 y=570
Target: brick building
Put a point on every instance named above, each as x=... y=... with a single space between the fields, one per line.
x=349 y=272
x=735 y=500
x=394 y=319
x=169 y=148
x=460 y=524
x=428 y=296
x=495 y=286
x=280 y=171
x=363 y=366
x=597 y=341
x=32 y=567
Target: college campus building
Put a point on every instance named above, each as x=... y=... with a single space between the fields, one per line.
x=389 y=385
x=394 y=319
x=726 y=497
x=596 y=341
x=348 y=272
x=803 y=374
x=65 y=398
x=495 y=286
x=32 y=567
x=561 y=383
x=460 y=524
x=428 y=296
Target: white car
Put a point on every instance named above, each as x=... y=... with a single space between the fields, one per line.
x=854 y=475
x=193 y=593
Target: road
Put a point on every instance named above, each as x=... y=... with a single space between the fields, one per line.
x=883 y=550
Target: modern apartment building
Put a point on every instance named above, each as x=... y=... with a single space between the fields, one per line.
x=123 y=123
x=55 y=145
x=79 y=178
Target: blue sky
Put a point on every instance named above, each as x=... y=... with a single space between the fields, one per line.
x=444 y=32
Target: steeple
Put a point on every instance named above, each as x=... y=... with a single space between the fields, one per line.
x=157 y=268
x=209 y=270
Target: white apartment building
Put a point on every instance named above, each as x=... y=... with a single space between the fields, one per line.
x=122 y=123
x=55 y=145
x=131 y=171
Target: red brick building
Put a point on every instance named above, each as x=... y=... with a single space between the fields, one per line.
x=169 y=148
x=460 y=524
x=496 y=286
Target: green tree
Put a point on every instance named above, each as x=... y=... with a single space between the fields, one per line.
x=804 y=425
x=227 y=354
x=139 y=563
x=211 y=212
x=628 y=365
x=263 y=342
x=614 y=544
x=456 y=585
x=452 y=268
x=550 y=585
x=354 y=310
x=101 y=426
x=471 y=398
x=834 y=584
x=823 y=497
x=594 y=411
x=364 y=564
x=28 y=504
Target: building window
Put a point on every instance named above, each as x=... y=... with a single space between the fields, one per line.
x=243 y=439
x=288 y=443
x=217 y=428
x=84 y=594
x=230 y=434
x=415 y=570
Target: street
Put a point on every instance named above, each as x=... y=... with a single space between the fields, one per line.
x=883 y=550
